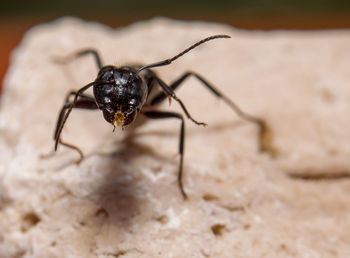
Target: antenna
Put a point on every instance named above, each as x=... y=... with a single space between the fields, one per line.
x=170 y=60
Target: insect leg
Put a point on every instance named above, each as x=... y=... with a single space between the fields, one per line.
x=83 y=102
x=259 y=122
x=83 y=52
x=62 y=118
x=165 y=115
x=168 y=91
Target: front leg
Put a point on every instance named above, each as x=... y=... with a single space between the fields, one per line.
x=82 y=101
x=165 y=115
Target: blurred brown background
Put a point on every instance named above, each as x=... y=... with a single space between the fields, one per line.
x=18 y=16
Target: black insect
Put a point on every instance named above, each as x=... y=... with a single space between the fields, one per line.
x=123 y=92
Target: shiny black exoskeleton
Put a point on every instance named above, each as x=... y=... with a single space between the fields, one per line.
x=123 y=92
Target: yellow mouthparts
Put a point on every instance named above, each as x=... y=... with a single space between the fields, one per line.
x=119 y=118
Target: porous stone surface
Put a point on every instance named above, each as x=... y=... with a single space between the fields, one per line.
x=123 y=199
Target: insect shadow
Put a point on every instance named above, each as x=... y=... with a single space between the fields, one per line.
x=116 y=196
x=123 y=92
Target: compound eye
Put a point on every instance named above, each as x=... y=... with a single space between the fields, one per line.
x=107 y=88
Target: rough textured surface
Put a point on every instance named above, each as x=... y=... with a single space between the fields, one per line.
x=123 y=200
